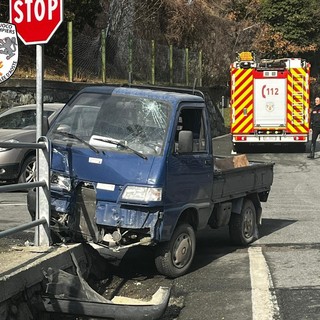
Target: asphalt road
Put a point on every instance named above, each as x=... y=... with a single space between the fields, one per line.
x=13 y=212
x=277 y=277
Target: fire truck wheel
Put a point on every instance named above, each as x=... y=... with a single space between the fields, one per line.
x=173 y=258
x=243 y=227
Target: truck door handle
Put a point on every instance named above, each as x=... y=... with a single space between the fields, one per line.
x=208 y=162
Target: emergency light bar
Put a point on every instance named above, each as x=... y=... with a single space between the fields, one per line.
x=245 y=56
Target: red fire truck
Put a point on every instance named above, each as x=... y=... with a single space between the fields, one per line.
x=269 y=101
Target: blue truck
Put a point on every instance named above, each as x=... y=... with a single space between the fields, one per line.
x=135 y=166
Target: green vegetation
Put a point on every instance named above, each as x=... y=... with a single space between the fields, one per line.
x=220 y=28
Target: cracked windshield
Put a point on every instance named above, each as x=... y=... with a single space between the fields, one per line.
x=122 y=123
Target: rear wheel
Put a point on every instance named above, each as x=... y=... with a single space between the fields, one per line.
x=173 y=258
x=243 y=227
x=28 y=170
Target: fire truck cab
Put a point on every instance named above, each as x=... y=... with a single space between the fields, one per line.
x=269 y=101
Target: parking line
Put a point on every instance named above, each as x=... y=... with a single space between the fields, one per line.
x=264 y=301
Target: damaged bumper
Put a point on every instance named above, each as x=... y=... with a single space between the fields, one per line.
x=119 y=308
x=70 y=294
x=77 y=216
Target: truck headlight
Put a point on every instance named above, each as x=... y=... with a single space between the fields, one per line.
x=60 y=182
x=144 y=194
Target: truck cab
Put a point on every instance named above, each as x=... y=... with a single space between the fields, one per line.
x=129 y=165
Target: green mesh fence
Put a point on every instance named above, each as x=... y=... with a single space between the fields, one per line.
x=134 y=59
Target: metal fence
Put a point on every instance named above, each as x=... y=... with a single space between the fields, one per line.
x=42 y=185
x=95 y=55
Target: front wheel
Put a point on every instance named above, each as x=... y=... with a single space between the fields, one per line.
x=28 y=170
x=173 y=258
x=243 y=227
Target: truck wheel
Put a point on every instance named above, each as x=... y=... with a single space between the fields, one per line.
x=243 y=226
x=173 y=258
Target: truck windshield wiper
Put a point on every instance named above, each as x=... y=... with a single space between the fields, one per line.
x=73 y=136
x=120 y=144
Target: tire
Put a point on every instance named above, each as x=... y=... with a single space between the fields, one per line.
x=28 y=170
x=243 y=227
x=173 y=258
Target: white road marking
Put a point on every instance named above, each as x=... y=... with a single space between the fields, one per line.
x=264 y=301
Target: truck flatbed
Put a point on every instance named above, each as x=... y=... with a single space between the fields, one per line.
x=231 y=183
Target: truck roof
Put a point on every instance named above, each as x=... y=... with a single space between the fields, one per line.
x=156 y=93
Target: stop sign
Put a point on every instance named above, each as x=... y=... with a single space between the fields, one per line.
x=36 y=20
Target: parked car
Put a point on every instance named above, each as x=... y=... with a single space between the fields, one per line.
x=18 y=124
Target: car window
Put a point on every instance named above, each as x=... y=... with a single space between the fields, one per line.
x=25 y=119
x=47 y=113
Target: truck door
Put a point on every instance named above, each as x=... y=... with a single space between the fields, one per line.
x=190 y=175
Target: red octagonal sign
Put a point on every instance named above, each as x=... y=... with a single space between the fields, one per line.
x=36 y=20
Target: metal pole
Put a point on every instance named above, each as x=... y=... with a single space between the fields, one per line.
x=187 y=66
x=39 y=91
x=171 y=63
x=39 y=94
x=200 y=68
x=153 y=54
x=103 y=54
x=70 y=52
x=22 y=227
x=130 y=59
x=222 y=106
x=44 y=199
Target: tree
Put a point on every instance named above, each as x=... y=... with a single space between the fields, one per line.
x=289 y=26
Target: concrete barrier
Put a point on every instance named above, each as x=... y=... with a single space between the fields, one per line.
x=22 y=274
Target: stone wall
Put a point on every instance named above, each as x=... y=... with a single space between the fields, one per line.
x=23 y=91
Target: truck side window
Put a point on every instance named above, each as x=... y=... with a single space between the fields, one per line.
x=193 y=120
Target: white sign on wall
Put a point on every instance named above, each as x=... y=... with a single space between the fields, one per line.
x=8 y=50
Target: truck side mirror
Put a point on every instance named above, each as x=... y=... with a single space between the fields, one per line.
x=185 y=141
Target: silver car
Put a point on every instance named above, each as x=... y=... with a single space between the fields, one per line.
x=18 y=124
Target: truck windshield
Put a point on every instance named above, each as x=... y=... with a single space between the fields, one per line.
x=109 y=122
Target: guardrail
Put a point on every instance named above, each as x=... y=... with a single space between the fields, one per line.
x=42 y=185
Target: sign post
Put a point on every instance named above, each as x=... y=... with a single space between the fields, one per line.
x=36 y=21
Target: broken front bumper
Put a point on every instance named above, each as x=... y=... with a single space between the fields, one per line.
x=116 y=225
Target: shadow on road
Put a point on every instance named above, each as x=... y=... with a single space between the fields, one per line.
x=276 y=148
x=270 y=226
x=222 y=146
x=138 y=263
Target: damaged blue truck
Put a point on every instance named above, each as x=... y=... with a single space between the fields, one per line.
x=135 y=166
